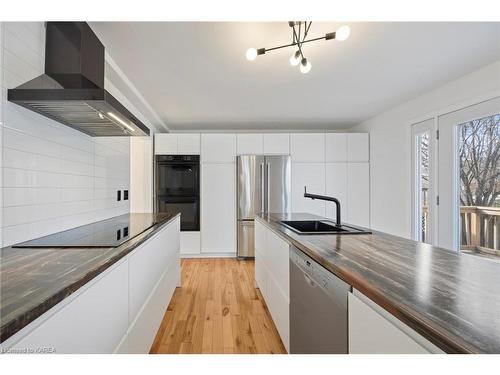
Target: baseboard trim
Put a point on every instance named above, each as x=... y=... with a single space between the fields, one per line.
x=210 y=255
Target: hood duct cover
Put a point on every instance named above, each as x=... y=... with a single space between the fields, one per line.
x=72 y=89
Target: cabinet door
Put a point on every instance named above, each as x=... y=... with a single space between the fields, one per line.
x=165 y=144
x=336 y=147
x=336 y=186
x=307 y=147
x=260 y=237
x=218 y=148
x=358 y=199
x=311 y=175
x=358 y=147
x=188 y=144
x=374 y=331
x=95 y=321
x=277 y=144
x=278 y=261
x=218 y=208
x=148 y=262
x=249 y=144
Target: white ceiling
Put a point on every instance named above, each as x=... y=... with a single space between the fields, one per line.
x=194 y=75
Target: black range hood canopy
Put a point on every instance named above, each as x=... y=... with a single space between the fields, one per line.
x=72 y=89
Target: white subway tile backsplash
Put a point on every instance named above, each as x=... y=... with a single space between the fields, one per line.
x=20 y=48
x=14 y=64
x=52 y=177
x=21 y=141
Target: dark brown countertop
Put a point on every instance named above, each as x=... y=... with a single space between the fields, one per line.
x=450 y=298
x=33 y=280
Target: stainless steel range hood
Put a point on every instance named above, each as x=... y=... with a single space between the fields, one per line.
x=72 y=89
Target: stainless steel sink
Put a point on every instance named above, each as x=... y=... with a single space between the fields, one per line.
x=320 y=227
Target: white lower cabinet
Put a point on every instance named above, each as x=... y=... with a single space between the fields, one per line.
x=272 y=277
x=94 y=321
x=218 y=208
x=118 y=311
x=372 y=330
x=154 y=273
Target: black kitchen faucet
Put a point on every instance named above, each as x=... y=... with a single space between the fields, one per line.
x=325 y=198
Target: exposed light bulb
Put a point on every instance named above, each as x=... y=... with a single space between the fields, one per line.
x=295 y=59
x=305 y=66
x=251 y=54
x=343 y=33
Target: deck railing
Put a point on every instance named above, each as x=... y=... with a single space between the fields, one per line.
x=480 y=229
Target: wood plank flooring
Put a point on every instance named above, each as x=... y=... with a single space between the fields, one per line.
x=217 y=310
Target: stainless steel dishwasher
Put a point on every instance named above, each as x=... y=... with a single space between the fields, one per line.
x=318 y=308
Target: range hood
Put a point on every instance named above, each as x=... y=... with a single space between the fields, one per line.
x=72 y=89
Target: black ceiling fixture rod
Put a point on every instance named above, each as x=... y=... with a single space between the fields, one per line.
x=326 y=37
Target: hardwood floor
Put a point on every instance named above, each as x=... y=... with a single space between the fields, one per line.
x=217 y=310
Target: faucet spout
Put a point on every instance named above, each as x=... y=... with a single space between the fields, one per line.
x=326 y=198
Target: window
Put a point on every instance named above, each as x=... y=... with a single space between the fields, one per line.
x=479 y=193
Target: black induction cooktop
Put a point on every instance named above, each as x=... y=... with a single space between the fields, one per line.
x=106 y=233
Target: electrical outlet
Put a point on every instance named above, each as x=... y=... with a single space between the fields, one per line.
x=125 y=195
x=118 y=195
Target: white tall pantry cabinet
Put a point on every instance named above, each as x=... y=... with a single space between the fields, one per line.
x=218 y=194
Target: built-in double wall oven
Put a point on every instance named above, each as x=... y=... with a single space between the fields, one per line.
x=178 y=188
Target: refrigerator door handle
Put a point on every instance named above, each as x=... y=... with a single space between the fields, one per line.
x=262 y=181
x=268 y=186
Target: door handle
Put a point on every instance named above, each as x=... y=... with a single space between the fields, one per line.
x=309 y=281
x=262 y=181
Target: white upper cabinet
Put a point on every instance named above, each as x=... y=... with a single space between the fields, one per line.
x=358 y=200
x=165 y=143
x=308 y=147
x=311 y=175
x=336 y=186
x=358 y=149
x=277 y=144
x=249 y=144
x=336 y=147
x=188 y=144
x=218 y=148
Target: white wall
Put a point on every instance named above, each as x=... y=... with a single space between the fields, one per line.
x=53 y=177
x=390 y=147
x=141 y=174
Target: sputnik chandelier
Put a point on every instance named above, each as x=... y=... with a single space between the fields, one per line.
x=300 y=29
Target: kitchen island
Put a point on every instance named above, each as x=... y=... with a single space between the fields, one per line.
x=90 y=299
x=450 y=299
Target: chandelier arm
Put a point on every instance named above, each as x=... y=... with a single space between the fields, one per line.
x=293 y=44
x=307 y=30
x=298 y=43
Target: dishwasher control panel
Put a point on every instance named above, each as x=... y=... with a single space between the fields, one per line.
x=315 y=272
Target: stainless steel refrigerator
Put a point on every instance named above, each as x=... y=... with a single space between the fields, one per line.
x=263 y=186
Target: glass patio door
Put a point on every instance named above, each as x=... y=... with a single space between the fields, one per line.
x=469 y=179
x=423 y=181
